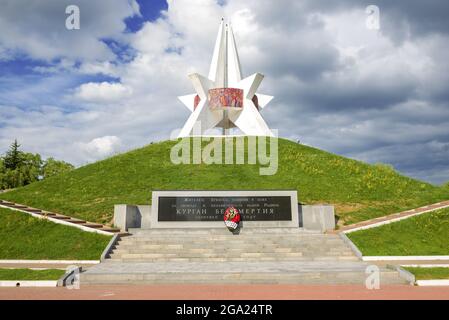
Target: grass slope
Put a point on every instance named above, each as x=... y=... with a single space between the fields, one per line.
x=437 y=273
x=30 y=274
x=25 y=237
x=426 y=234
x=359 y=191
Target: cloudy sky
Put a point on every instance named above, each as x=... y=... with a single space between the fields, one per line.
x=374 y=95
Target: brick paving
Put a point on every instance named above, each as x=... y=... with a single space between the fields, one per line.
x=228 y=292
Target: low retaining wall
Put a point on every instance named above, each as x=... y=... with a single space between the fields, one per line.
x=317 y=217
x=109 y=247
x=311 y=217
x=128 y=216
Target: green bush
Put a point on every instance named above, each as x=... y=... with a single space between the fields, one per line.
x=18 y=168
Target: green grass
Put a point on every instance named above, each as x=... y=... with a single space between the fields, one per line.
x=436 y=273
x=358 y=190
x=25 y=237
x=426 y=234
x=30 y=274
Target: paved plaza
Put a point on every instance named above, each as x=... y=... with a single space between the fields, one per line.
x=228 y=292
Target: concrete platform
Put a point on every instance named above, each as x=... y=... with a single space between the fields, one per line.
x=275 y=272
x=216 y=256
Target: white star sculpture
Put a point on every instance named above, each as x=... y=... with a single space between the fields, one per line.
x=225 y=75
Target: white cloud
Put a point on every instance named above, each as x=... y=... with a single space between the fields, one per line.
x=102 y=92
x=101 y=147
x=4 y=54
x=104 y=67
x=337 y=85
x=85 y=68
x=38 y=30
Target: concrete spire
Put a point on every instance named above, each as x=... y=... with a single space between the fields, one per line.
x=225 y=99
x=234 y=68
x=225 y=69
x=217 y=66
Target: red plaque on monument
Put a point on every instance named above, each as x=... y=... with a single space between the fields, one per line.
x=220 y=98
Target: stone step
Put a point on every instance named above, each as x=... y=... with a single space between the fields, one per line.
x=229 y=242
x=111 y=229
x=228 y=251
x=49 y=214
x=38 y=211
x=224 y=244
x=16 y=206
x=216 y=256
x=77 y=221
x=225 y=259
x=234 y=238
x=255 y=235
x=335 y=272
x=231 y=246
x=224 y=232
x=233 y=251
x=60 y=217
x=221 y=231
x=92 y=225
x=203 y=245
x=236 y=278
x=279 y=248
x=242 y=236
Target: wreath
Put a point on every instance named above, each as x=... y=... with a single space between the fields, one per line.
x=232 y=218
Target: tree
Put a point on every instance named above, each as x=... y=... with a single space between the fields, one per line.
x=2 y=174
x=30 y=169
x=26 y=172
x=13 y=157
x=18 y=168
x=53 y=167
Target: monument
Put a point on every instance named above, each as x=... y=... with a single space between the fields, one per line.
x=223 y=99
x=227 y=236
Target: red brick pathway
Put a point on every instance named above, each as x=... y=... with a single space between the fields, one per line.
x=221 y=292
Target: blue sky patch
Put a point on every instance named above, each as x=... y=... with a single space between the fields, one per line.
x=149 y=10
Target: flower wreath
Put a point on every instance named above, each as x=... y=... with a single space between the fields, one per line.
x=231 y=218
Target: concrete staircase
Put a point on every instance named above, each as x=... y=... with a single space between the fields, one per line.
x=276 y=255
x=57 y=216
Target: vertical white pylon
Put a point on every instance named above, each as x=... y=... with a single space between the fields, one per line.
x=234 y=69
x=225 y=69
x=217 y=66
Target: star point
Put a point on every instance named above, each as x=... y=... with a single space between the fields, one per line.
x=224 y=99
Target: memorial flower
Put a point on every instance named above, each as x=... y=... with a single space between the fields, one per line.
x=231 y=218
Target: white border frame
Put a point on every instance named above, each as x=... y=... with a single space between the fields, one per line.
x=29 y=283
x=432 y=283
x=49 y=262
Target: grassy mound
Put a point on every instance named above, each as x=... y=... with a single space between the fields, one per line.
x=426 y=234
x=25 y=237
x=358 y=190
